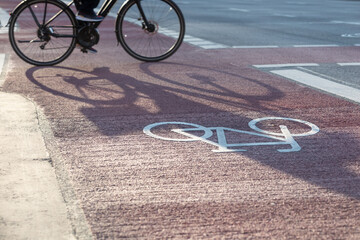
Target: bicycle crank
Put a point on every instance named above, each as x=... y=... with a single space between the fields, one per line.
x=88 y=36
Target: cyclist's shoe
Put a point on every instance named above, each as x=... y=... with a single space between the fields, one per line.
x=91 y=50
x=86 y=17
x=86 y=49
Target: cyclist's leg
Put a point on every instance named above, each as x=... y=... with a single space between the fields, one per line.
x=86 y=10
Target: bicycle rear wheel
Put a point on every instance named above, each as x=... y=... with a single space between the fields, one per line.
x=42 y=32
x=158 y=43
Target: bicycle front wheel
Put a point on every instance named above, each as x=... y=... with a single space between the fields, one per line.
x=154 y=43
x=42 y=32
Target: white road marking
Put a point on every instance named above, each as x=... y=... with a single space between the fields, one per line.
x=203 y=43
x=238 y=9
x=283 y=15
x=269 y=46
x=343 y=22
x=351 y=35
x=287 y=65
x=284 y=138
x=296 y=2
x=316 y=45
x=349 y=64
x=4 y=17
x=295 y=46
x=321 y=83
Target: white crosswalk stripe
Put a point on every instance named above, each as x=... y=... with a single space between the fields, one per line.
x=4 y=17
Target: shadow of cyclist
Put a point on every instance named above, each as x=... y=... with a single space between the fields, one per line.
x=119 y=104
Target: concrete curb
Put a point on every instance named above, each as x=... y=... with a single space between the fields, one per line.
x=37 y=200
x=31 y=204
x=80 y=226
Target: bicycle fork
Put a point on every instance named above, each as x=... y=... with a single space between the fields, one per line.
x=146 y=24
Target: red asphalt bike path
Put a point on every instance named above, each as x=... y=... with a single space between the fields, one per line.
x=130 y=184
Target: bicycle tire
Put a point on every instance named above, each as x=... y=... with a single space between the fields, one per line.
x=42 y=49
x=147 y=46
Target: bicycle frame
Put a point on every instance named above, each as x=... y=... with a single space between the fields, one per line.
x=104 y=11
x=108 y=4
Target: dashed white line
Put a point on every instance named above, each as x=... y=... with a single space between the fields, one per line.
x=283 y=15
x=351 y=35
x=343 y=22
x=319 y=45
x=238 y=9
x=203 y=43
x=296 y=2
x=349 y=64
x=269 y=46
x=287 y=65
x=295 y=46
x=321 y=83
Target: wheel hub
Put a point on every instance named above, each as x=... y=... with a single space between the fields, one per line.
x=152 y=29
x=43 y=34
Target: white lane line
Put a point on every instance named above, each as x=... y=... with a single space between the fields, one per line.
x=203 y=43
x=349 y=64
x=296 y=2
x=269 y=46
x=287 y=65
x=315 y=45
x=213 y=46
x=295 y=46
x=343 y=22
x=351 y=35
x=283 y=15
x=238 y=9
x=321 y=83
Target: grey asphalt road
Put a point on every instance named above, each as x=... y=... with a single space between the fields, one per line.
x=267 y=23
x=277 y=22
x=280 y=23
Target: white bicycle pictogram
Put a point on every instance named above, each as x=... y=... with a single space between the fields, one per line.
x=283 y=138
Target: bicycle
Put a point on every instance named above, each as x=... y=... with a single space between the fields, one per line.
x=45 y=32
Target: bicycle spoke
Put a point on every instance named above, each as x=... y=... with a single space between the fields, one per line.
x=42 y=44
x=163 y=35
x=29 y=41
x=34 y=16
x=45 y=13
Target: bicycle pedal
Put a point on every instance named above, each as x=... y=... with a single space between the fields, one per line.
x=84 y=50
